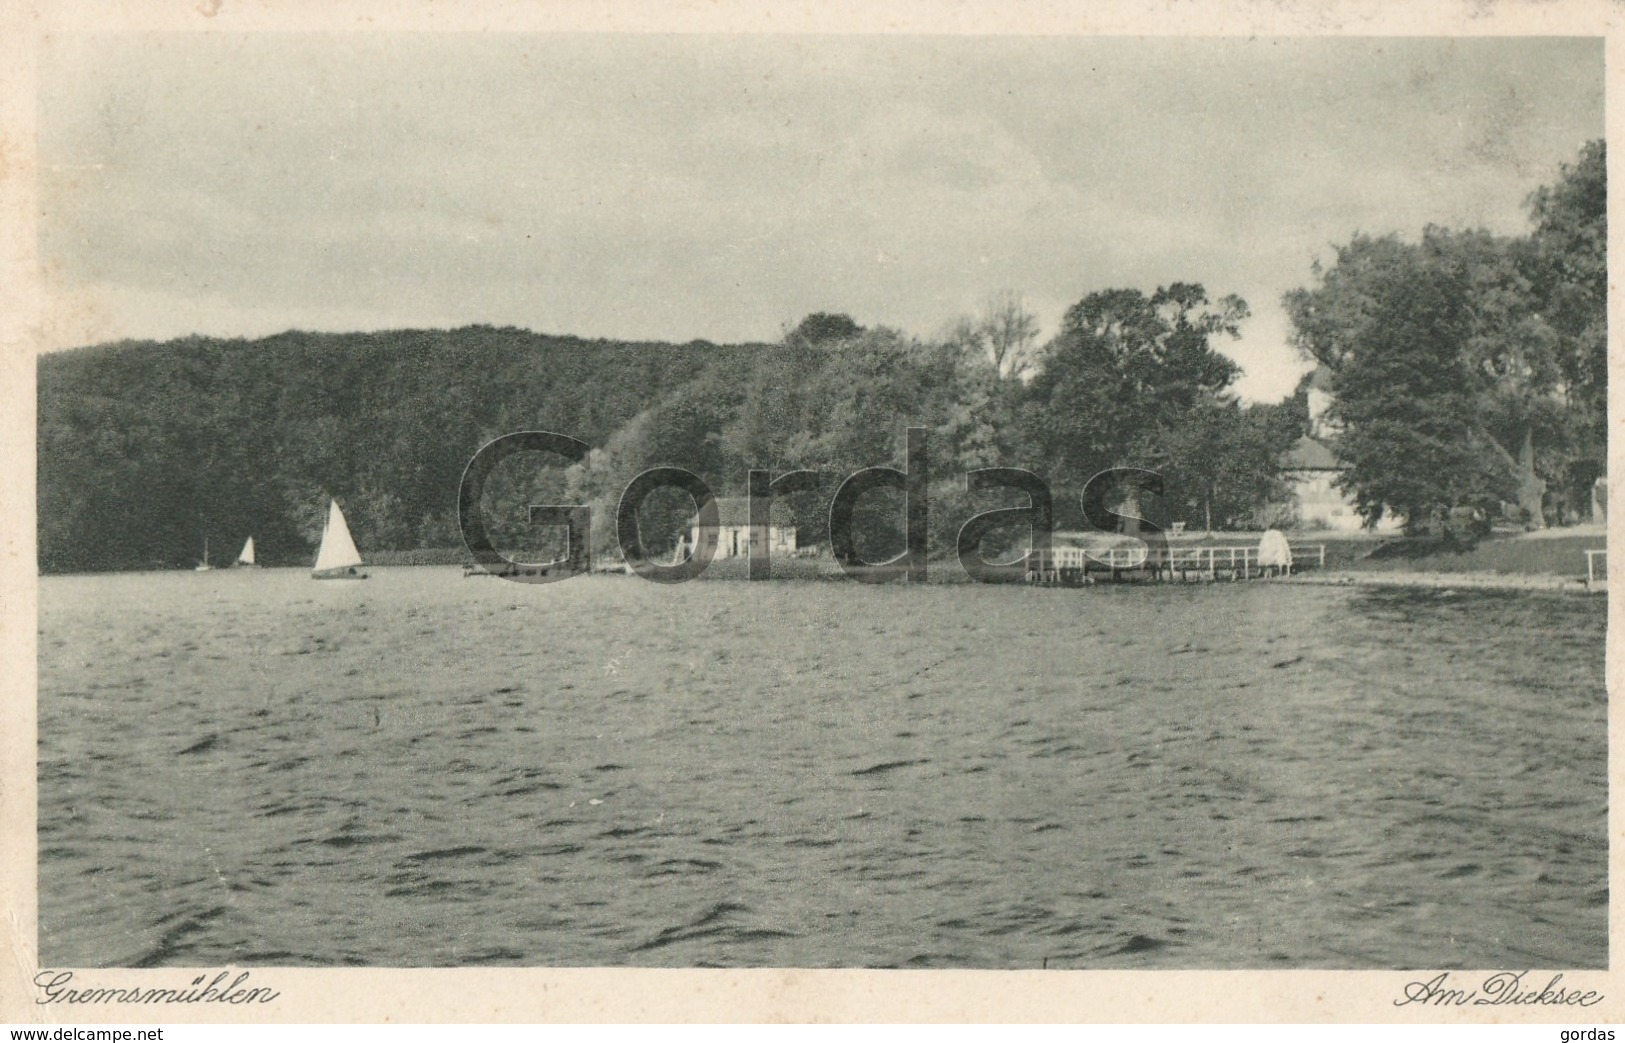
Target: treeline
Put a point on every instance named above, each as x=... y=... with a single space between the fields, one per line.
x=1469 y=371
x=147 y=449
x=1130 y=380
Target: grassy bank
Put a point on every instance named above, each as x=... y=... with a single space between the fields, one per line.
x=1553 y=554
x=1518 y=556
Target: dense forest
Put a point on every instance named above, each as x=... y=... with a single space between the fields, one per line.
x=146 y=449
x=1468 y=371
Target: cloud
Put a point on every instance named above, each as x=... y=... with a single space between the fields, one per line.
x=720 y=187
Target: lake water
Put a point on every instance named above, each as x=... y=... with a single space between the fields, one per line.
x=423 y=770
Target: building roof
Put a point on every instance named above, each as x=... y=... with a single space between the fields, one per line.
x=735 y=510
x=1310 y=455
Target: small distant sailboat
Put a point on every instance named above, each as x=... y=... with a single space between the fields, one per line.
x=337 y=558
x=204 y=566
x=245 y=559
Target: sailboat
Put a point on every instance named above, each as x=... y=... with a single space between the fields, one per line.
x=337 y=558
x=204 y=566
x=245 y=559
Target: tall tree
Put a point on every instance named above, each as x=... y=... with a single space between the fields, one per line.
x=1527 y=326
x=1223 y=461
x=1395 y=323
x=1509 y=355
x=1568 y=271
x=1125 y=377
x=1008 y=332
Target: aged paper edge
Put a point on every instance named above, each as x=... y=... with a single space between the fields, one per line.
x=606 y=995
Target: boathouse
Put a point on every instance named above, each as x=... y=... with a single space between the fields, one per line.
x=733 y=535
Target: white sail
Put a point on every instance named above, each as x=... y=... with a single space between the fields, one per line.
x=247 y=556
x=338 y=549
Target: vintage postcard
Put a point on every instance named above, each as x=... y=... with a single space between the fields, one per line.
x=752 y=512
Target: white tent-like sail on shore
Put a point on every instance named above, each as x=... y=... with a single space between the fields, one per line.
x=1274 y=552
x=337 y=558
x=246 y=558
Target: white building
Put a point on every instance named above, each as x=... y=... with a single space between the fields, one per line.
x=1313 y=469
x=733 y=535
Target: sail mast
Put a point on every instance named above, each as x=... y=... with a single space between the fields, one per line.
x=338 y=549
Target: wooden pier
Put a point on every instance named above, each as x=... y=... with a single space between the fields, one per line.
x=1078 y=566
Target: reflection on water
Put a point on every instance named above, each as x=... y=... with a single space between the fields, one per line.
x=253 y=768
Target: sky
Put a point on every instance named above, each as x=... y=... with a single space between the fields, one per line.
x=681 y=187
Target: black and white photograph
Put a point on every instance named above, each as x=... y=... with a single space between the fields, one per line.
x=857 y=501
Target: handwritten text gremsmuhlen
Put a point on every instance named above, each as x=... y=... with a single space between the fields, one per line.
x=56 y=987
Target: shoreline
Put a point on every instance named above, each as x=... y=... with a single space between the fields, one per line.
x=1544 y=582
x=1435 y=580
